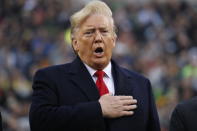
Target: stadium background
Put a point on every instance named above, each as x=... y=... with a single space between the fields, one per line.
x=157 y=38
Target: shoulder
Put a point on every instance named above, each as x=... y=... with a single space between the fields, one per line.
x=184 y=116
x=133 y=75
x=186 y=109
x=127 y=72
x=52 y=70
x=188 y=105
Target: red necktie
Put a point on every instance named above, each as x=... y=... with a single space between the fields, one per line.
x=102 y=88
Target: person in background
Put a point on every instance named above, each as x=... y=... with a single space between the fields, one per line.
x=92 y=93
x=184 y=116
x=0 y=123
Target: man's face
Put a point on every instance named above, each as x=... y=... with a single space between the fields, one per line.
x=94 y=41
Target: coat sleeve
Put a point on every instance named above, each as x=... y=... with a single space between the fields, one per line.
x=46 y=114
x=153 y=121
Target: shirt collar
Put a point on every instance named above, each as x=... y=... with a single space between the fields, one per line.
x=107 y=70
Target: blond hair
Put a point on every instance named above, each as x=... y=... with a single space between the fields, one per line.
x=93 y=7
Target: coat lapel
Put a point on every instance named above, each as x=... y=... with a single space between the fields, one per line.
x=122 y=81
x=82 y=79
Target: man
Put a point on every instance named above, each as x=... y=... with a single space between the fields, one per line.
x=184 y=116
x=92 y=93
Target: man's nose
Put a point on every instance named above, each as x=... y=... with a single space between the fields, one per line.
x=98 y=37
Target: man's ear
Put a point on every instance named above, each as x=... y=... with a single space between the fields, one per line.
x=75 y=45
x=114 y=40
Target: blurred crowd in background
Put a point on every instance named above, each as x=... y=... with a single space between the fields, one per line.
x=158 y=40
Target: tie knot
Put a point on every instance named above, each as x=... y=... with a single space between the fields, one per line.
x=100 y=73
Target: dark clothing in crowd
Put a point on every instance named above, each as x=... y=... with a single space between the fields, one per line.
x=0 y=122
x=184 y=116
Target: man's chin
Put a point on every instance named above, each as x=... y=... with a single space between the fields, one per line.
x=100 y=63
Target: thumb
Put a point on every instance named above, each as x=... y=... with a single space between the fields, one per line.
x=110 y=94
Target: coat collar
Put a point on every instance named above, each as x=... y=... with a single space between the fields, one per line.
x=81 y=77
x=122 y=80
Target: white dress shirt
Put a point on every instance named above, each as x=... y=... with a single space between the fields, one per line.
x=108 y=78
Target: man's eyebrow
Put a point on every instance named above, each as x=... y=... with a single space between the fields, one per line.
x=91 y=26
x=103 y=27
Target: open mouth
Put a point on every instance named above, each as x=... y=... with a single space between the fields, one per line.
x=99 y=52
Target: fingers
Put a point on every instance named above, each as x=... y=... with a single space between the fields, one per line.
x=129 y=107
x=128 y=110
x=125 y=97
x=117 y=106
x=126 y=100
x=127 y=113
x=108 y=94
x=129 y=102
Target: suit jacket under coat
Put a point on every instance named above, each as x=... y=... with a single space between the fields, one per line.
x=65 y=98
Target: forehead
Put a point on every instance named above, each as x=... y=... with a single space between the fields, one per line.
x=97 y=21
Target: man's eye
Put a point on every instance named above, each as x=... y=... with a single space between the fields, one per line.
x=104 y=31
x=88 y=32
